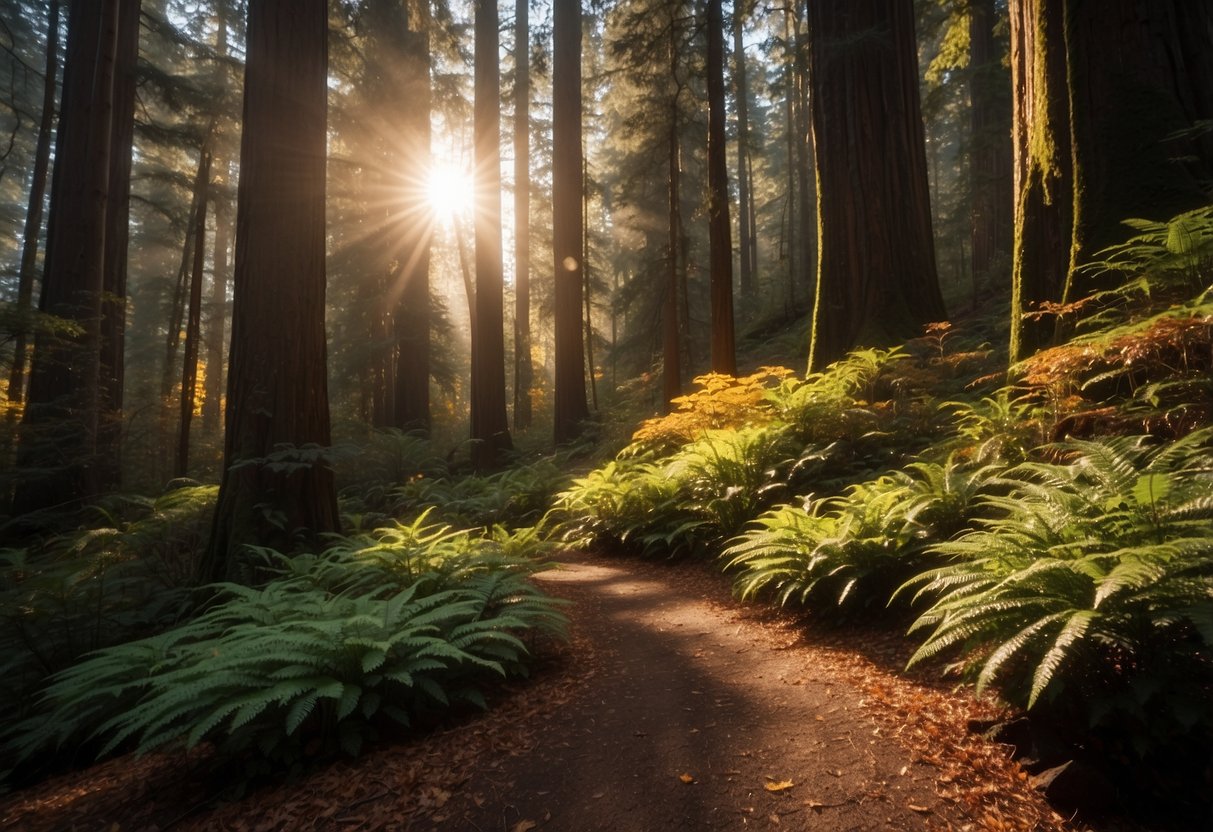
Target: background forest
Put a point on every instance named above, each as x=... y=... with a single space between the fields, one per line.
x=325 y=323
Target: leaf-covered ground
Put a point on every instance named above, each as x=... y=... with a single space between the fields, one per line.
x=672 y=708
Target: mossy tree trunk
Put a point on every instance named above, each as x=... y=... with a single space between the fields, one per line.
x=1101 y=90
x=876 y=277
x=277 y=488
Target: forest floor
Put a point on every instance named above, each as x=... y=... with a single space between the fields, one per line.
x=673 y=707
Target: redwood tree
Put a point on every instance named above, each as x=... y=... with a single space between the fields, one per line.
x=277 y=488
x=523 y=371
x=490 y=429
x=1101 y=90
x=876 y=278
x=570 y=405
x=724 y=357
x=57 y=456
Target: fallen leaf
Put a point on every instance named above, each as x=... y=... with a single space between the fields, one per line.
x=523 y=826
x=687 y=778
x=913 y=807
x=778 y=785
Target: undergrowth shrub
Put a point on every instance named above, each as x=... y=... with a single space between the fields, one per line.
x=376 y=629
x=849 y=553
x=128 y=576
x=515 y=497
x=1087 y=590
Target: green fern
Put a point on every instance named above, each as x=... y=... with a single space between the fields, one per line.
x=1085 y=577
x=408 y=620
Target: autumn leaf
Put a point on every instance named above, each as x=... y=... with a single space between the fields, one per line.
x=913 y=807
x=523 y=826
x=687 y=778
x=778 y=785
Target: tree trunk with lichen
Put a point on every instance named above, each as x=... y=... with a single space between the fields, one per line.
x=1101 y=93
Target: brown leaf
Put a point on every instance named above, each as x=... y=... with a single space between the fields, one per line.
x=778 y=785
x=914 y=807
x=523 y=826
x=687 y=778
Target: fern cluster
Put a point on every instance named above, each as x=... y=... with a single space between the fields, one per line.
x=1089 y=584
x=377 y=628
x=850 y=552
x=128 y=576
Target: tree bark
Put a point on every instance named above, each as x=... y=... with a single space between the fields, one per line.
x=570 y=405
x=277 y=488
x=523 y=371
x=57 y=456
x=33 y=214
x=193 y=327
x=490 y=428
x=876 y=278
x=720 y=258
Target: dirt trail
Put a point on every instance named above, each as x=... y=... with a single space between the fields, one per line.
x=673 y=707
x=690 y=687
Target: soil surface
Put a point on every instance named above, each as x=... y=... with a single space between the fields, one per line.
x=672 y=707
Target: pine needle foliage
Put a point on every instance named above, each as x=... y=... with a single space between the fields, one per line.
x=376 y=629
x=1089 y=584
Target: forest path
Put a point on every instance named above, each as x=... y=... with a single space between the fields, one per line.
x=666 y=679
x=700 y=713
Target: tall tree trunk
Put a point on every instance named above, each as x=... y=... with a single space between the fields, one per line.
x=570 y=405
x=671 y=373
x=33 y=214
x=117 y=237
x=990 y=220
x=57 y=456
x=523 y=371
x=792 y=238
x=412 y=318
x=193 y=329
x=720 y=258
x=490 y=428
x=217 y=319
x=587 y=282
x=805 y=185
x=748 y=258
x=876 y=278
x=277 y=400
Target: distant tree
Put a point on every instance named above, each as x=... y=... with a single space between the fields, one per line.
x=407 y=64
x=117 y=237
x=1103 y=92
x=991 y=199
x=876 y=278
x=490 y=428
x=724 y=357
x=33 y=214
x=193 y=327
x=746 y=237
x=570 y=405
x=523 y=371
x=277 y=488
